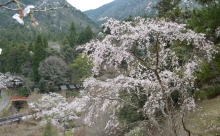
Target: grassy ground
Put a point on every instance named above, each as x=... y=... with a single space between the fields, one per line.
x=205 y=120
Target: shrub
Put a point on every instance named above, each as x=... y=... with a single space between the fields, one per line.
x=206 y=73
x=137 y=131
x=22 y=91
x=200 y=94
x=213 y=92
x=74 y=93
x=49 y=130
x=209 y=93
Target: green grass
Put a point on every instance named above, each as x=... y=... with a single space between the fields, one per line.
x=205 y=120
x=69 y=133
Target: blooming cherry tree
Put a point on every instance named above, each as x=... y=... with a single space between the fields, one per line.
x=55 y=107
x=2 y=81
x=6 y=80
x=153 y=68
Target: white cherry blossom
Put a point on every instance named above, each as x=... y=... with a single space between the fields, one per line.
x=18 y=18
x=27 y=10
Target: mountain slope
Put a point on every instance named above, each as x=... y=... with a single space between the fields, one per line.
x=121 y=9
x=55 y=21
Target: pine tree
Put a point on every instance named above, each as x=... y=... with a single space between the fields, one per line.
x=82 y=38
x=39 y=55
x=30 y=47
x=206 y=19
x=86 y=35
x=45 y=42
x=72 y=36
x=165 y=6
x=89 y=33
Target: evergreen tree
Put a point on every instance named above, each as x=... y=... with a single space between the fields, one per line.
x=30 y=47
x=86 y=35
x=81 y=68
x=39 y=55
x=165 y=6
x=12 y=60
x=72 y=36
x=16 y=57
x=67 y=52
x=45 y=42
x=65 y=41
x=82 y=38
x=5 y=45
x=206 y=19
x=23 y=56
x=89 y=33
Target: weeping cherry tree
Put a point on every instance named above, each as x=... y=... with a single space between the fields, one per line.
x=147 y=48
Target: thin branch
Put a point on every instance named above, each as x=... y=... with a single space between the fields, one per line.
x=9 y=8
x=1 y=5
x=157 y=51
x=139 y=58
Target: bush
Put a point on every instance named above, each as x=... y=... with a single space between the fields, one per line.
x=137 y=131
x=206 y=73
x=74 y=93
x=200 y=94
x=49 y=130
x=22 y=91
x=5 y=113
x=129 y=114
x=213 y=92
x=209 y=93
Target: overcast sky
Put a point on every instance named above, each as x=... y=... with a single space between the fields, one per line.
x=88 y=4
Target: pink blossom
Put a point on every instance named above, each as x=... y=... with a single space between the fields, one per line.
x=34 y=23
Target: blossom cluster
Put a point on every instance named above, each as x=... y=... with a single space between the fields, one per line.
x=23 y=13
x=6 y=80
x=54 y=106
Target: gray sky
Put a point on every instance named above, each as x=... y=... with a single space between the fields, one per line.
x=88 y=4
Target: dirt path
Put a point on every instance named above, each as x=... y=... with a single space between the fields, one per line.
x=5 y=101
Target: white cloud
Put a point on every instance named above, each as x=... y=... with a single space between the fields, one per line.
x=84 y=5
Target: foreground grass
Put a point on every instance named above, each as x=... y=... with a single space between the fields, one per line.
x=205 y=120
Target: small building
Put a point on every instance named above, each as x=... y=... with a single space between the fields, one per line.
x=17 y=82
x=72 y=87
x=63 y=87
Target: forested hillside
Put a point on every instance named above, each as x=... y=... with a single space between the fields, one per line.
x=55 y=23
x=120 y=9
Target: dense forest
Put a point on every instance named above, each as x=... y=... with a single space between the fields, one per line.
x=143 y=75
